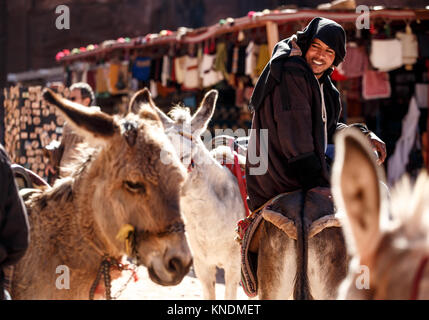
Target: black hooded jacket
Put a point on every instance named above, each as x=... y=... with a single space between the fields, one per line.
x=287 y=102
x=14 y=228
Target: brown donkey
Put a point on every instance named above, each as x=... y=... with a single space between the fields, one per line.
x=132 y=180
x=301 y=249
x=390 y=253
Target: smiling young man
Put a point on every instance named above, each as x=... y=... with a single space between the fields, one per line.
x=296 y=101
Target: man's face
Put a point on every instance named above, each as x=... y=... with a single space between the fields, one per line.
x=319 y=57
x=76 y=96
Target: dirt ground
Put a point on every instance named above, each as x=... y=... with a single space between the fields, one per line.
x=145 y=289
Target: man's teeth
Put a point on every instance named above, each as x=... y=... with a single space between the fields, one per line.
x=318 y=62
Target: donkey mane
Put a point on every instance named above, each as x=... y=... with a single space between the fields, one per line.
x=409 y=206
x=81 y=157
x=180 y=114
x=61 y=192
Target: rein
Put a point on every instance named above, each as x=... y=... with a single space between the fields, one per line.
x=418 y=278
x=239 y=174
x=131 y=237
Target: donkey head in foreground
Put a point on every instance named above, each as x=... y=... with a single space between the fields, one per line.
x=390 y=255
x=133 y=180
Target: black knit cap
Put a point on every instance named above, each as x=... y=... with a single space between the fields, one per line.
x=326 y=30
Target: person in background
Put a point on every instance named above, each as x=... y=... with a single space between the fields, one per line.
x=14 y=227
x=61 y=154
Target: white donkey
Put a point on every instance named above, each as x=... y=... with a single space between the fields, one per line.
x=211 y=201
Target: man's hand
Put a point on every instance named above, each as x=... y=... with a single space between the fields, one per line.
x=378 y=146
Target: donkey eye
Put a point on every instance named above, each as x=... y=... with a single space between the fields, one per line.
x=136 y=187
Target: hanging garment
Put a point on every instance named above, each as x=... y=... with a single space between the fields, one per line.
x=209 y=76
x=91 y=78
x=166 y=70
x=173 y=69
x=252 y=51
x=153 y=89
x=156 y=68
x=141 y=68
x=423 y=40
x=85 y=68
x=179 y=69
x=421 y=93
x=113 y=77
x=75 y=77
x=354 y=63
x=241 y=63
x=375 y=85
x=230 y=59
x=192 y=79
x=221 y=58
x=263 y=58
x=410 y=49
x=398 y=161
x=386 y=54
x=101 y=80
x=122 y=83
x=234 y=64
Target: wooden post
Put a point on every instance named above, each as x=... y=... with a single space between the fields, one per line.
x=272 y=35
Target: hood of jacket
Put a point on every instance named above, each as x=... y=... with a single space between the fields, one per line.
x=324 y=29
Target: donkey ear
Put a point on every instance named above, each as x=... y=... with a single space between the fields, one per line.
x=140 y=97
x=89 y=122
x=142 y=104
x=357 y=192
x=205 y=112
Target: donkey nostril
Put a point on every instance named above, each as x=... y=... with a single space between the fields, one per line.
x=174 y=265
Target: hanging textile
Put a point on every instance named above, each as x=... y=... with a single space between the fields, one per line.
x=179 y=69
x=375 y=85
x=410 y=50
x=354 y=63
x=166 y=70
x=141 y=68
x=221 y=59
x=263 y=58
x=398 y=161
x=192 y=79
x=208 y=75
x=386 y=54
x=252 y=51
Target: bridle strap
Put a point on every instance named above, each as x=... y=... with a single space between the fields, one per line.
x=173 y=228
x=188 y=136
x=107 y=261
x=418 y=278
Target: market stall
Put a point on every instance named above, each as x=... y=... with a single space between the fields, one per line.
x=386 y=65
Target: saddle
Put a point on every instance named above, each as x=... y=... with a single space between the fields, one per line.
x=298 y=214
